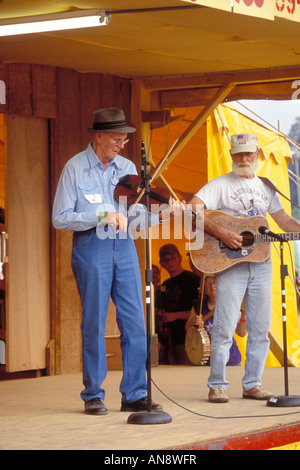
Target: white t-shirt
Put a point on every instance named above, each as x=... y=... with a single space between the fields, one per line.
x=239 y=196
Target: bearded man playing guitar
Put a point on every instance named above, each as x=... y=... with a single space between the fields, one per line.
x=240 y=194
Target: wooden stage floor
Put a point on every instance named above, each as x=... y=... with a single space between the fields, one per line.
x=47 y=413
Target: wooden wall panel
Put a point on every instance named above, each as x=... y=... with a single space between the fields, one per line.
x=125 y=104
x=68 y=144
x=44 y=91
x=110 y=87
x=68 y=115
x=28 y=269
x=90 y=100
x=20 y=89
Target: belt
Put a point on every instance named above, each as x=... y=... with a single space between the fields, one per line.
x=84 y=232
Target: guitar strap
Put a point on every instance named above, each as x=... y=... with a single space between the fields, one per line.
x=272 y=186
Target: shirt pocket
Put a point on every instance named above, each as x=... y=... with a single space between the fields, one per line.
x=87 y=188
x=89 y=192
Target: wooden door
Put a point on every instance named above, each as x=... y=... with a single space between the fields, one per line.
x=27 y=221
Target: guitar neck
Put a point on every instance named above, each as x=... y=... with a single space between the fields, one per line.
x=289 y=236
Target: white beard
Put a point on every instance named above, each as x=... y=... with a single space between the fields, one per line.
x=248 y=170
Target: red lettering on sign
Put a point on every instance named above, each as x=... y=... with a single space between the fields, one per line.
x=249 y=3
x=291 y=7
x=280 y=7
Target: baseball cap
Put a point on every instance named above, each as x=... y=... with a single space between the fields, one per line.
x=168 y=248
x=243 y=143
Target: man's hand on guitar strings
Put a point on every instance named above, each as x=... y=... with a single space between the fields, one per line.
x=231 y=239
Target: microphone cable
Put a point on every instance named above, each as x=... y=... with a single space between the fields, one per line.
x=202 y=415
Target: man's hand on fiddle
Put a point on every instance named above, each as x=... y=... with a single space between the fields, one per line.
x=174 y=209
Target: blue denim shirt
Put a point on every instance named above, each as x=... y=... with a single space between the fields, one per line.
x=85 y=189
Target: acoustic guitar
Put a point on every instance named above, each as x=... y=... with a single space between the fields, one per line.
x=215 y=256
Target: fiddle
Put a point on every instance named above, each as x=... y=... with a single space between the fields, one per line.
x=129 y=186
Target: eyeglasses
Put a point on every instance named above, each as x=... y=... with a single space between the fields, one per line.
x=120 y=142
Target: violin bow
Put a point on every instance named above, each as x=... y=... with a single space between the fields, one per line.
x=164 y=159
x=141 y=193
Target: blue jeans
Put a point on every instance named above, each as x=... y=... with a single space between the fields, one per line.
x=104 y=268
x=254 y=282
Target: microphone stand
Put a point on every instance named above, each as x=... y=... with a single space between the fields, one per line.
x=285 y=400
x=149 y=416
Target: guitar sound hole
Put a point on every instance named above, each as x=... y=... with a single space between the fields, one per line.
x=248 y=239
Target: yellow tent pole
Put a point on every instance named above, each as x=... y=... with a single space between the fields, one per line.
x=224 y=126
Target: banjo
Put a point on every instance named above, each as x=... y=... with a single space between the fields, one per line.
x=197 y=343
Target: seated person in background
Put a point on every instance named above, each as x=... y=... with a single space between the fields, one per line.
x=174 y=306
x=207 y=316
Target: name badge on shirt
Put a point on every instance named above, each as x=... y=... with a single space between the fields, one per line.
x=94 y=198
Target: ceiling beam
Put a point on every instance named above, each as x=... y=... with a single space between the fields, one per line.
x=218 y=79
x=170 y=99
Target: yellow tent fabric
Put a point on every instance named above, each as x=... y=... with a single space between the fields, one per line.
x=274 y=157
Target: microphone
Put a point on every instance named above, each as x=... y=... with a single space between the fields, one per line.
x=266 y=231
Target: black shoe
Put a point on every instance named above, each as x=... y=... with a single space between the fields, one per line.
x=95 y=407
x=140 y=405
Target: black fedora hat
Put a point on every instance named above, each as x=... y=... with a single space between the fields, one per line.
x=110 y=120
